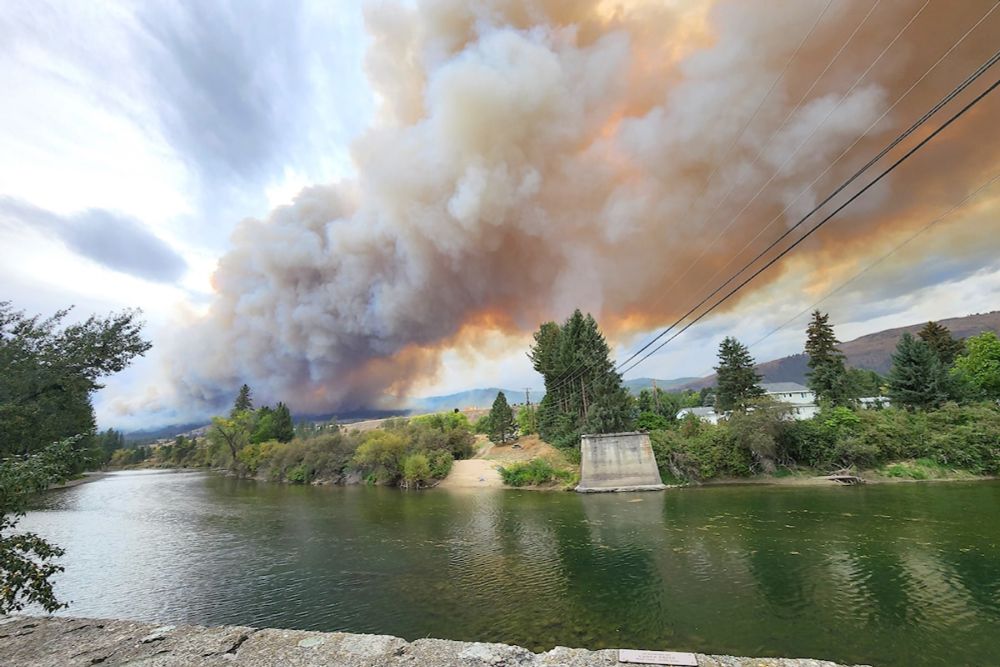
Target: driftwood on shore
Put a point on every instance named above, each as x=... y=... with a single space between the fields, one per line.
x=844 y=477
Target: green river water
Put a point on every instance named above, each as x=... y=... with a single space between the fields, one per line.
x=902 y=574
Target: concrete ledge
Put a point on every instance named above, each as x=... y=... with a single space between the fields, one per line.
x=621 y=489
x=29 y=641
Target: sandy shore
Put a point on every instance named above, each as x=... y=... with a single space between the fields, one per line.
x=472 y=473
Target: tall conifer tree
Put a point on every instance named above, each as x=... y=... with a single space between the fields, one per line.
x=502 y=425
x=827 y=376
x=942 y=343
x=584 y=393
x=917 y=379
x=243 y=403
x=737 y=380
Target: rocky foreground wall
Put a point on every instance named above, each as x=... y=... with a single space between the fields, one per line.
x=27 y=641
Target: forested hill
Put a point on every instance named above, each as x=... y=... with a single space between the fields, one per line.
x=873 y=352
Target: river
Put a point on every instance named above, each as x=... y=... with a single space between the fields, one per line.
x=900 y=574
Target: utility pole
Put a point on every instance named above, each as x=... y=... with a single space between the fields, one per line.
x=527 y=396
x=656 y=395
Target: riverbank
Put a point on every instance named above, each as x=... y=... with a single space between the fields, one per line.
x=55 y=642
x=84 y=478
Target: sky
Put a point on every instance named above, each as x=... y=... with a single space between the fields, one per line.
x=345 y=204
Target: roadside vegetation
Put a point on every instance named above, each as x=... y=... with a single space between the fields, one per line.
x=944 y=419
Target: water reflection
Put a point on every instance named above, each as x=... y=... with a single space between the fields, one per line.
x=906 y=574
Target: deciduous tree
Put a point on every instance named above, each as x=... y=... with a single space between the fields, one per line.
x=980 y=364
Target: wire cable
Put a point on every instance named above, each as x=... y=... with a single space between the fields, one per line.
x=822 y=222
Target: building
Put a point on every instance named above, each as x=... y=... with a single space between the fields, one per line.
x=800 y=399
x=706 y=414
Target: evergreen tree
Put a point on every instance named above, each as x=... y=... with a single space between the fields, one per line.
x=942 y=343
x=284 y=429
x=583 y=393
x=502 y=426
x=737 y=380
x=244 y=403
x=827 y=376
x=917 y=378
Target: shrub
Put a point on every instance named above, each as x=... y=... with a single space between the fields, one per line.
x=533 y=473
x=416 y=471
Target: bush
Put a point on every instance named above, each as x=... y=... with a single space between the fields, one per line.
x=533 y=473
x=711 y=452
x=416 y=471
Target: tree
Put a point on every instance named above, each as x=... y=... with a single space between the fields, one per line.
x=980 y=364
x=284 y=429
x=502 y=426
x=827 y=376
x=862 y=382
x=26 y=565
x=51 y=369
x=583 y=391
x=243 y=403
x=737 y=382
x=527 y=420
x=232 y=432
x=264 y=424
x=917 y=378
x=939 y=339
x=416 y=471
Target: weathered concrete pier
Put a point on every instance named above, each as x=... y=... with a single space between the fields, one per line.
x=618 y=462
x=27 y=641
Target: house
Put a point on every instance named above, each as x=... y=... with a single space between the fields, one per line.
x=800 y=399
x=874 y=402
x=705 y=414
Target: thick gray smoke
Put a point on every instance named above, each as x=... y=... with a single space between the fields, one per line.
x=531 y=157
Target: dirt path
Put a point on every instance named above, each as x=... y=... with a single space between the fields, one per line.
x=472 y=473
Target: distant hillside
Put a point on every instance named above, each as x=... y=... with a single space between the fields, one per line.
x=473 y=398
x=873 y=352
x=638 y=384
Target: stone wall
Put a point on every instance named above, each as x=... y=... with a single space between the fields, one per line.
x=27 y=641
x=618 y=462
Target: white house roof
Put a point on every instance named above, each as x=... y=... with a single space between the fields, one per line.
x=783 y=387
x=703 y=411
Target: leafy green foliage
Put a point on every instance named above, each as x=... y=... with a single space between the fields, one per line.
x=416 y=471
x=917 y=378
x=527 y=420
x=26 y=560
x=50 y=370
x=737 y=382
x=956 y=437
x=980 y=364
x=535 y=472
x=502 y=425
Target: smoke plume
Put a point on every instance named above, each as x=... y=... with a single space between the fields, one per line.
x=530 y=157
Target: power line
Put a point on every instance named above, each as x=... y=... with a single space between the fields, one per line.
x=875 y=263
x=573 y=374
x=881 y=259
x=849 y=148
x=822 y=222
